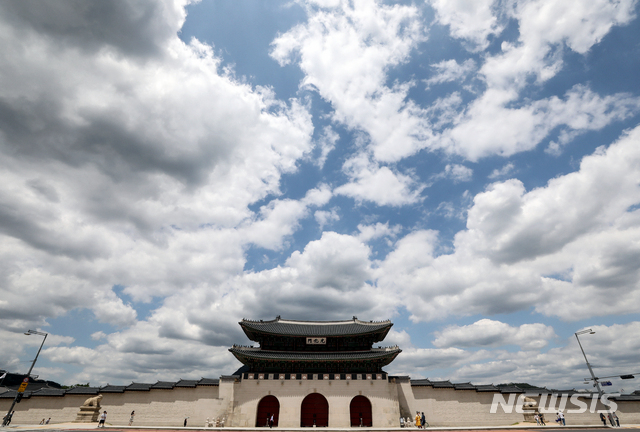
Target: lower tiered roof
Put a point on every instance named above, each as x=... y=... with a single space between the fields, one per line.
x=296 y=361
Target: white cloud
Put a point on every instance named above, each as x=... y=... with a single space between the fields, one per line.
x=450 y=70
x=130 y=158
x=474 y=21
x=326 y=143
x=345 y=53
x=489 y=127
x=456 y=172
x=326 y=217
x=381 y=185
x=525 y=249
x=506 y=170
x=491 y=124
x=371 y=232
x=490 y=333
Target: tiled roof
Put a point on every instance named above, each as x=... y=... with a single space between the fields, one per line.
x=112 y=389
x=164 y=385
x=48 y=392
x=186 y=383
x=537 y=390
x=316 y=328
x=511 y=389
x=487 y=388
x=139 y=386
x=257 y=353
x=629 y=397
x=464 y=386
x=441 y=384
x=565 y=392
x=11 y=394
x=421 y=382
x=208 y=382
x=84 y=390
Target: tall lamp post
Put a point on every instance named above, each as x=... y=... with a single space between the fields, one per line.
x=19 y=394
x=593 y=376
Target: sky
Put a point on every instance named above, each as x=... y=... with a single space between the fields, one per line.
x=469 y=170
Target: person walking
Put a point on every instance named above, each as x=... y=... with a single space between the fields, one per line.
x=133 y=413
x=7 y=418
x=537 y=419
x=423 y=421
x=271 y=421
x=542 y=419
x=615 y=417
x=103 y=419
x=603 y=419
x=418 y=420
x=561 y=415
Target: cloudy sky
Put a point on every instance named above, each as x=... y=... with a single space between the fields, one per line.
x=468 y=169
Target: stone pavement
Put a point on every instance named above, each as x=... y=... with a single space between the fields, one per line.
x=77 y=427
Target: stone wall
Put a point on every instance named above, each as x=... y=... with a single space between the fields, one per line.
x=153 y=408
x=237 y=401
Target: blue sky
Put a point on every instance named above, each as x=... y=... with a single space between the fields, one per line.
x=470 y=171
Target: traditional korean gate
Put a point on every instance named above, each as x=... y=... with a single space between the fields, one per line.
x=360 y=409
x=268 y=405
x=315 y=411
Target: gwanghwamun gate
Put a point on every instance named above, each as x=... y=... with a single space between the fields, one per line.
x=315 y=374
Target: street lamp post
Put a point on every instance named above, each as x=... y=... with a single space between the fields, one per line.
x=593 y=376
x=15 y=400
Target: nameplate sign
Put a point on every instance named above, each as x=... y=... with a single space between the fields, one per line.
x=316 y=341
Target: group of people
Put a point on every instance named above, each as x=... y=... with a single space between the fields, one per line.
x=560 y=418
x=421 y=421
x=539 y=418
x=613 y=419
x=45 y=422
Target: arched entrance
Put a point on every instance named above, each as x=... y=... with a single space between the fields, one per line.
x=360 y=409
x=268 y=405
x=315 y=411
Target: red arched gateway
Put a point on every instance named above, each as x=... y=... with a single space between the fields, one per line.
x=267 y=407
x=315 y=411
x=360 y=409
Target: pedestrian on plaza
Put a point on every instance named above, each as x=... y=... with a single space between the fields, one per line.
x=133 y=413
x=7 y=422
x=103 y=418
x=537 y=419
x=603 y=419
x=615 y=417
x=542 y=419
x=48 y=420
x=42 y=421
x=561 y=415
x=185 y=421
x=271 y=421
x=423 y=420
x=418 y=420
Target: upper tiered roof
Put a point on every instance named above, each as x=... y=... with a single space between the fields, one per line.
x=280 y=327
